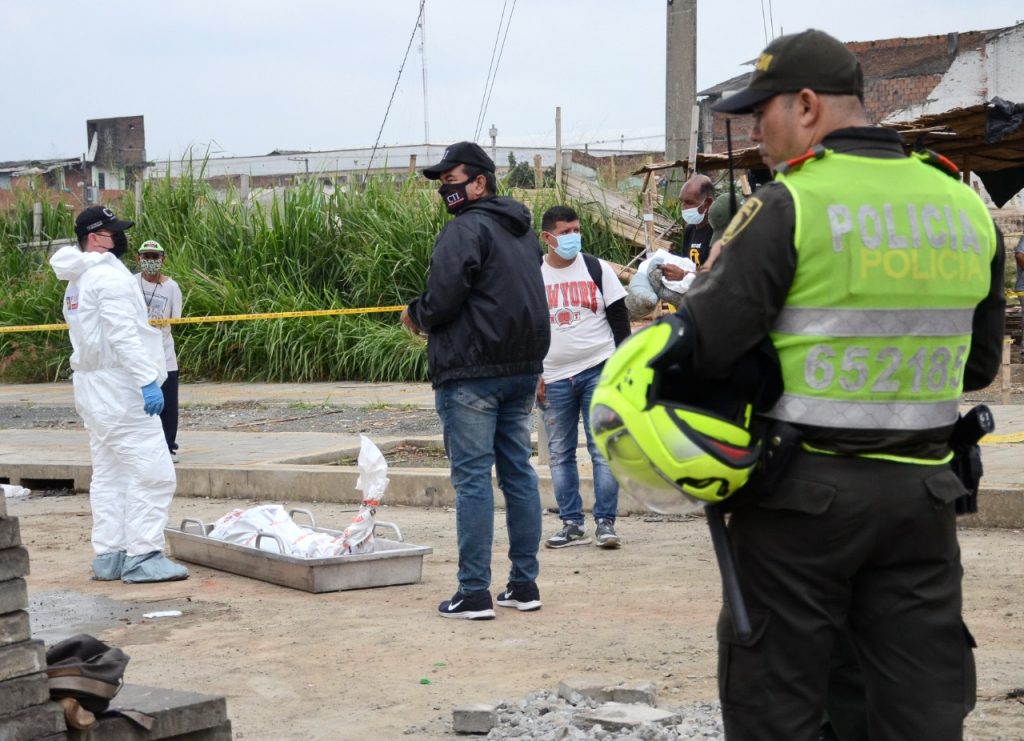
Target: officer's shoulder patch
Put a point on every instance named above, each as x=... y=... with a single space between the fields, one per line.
x=941 y=162
x=742 y=219
x=814 y=153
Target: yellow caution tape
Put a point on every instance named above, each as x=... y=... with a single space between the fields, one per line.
x=1013 y=437
x=222 y=318
x=1014 y=294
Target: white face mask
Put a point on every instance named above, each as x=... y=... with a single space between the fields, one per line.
x=692 y=215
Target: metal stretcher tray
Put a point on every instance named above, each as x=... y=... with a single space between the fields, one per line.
x=392 y=562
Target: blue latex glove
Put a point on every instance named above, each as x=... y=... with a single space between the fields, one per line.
x=152 y=398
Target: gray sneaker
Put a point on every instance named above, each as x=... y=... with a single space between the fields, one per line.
x=606 y=536
x=570 y=534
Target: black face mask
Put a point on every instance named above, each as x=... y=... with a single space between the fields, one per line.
x=120 y=240
x=454 y=195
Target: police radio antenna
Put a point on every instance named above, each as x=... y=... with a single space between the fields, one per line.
x=733 y=206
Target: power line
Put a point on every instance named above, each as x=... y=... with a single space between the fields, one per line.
x=412 y=36
x=501 y=51
x=483 y=110
x=771 y=18
x=764 y=24
x=490 y=69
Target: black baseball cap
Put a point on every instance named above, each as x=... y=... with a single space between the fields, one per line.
x=95 y=218
x=460 y=153
x=810 y=59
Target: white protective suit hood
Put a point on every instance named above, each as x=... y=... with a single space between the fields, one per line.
x=106 y=317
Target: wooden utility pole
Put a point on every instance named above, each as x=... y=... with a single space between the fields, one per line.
x=538 y=172
x=680 y=83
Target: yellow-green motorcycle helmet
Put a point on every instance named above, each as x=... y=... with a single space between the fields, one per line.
x=673 y=458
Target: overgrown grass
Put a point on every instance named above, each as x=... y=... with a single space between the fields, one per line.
x=308 y=249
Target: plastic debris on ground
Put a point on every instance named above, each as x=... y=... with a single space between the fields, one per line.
x=13 y=491
x=244 y=526
x=162 y=614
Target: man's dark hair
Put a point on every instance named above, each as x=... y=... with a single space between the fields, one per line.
x=555 y=214
x=490 y=183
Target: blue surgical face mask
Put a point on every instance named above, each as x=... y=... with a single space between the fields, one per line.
x=569 y=245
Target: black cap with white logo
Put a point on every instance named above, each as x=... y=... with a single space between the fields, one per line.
x=460 y=153
x=811 y=59
x=95 y=218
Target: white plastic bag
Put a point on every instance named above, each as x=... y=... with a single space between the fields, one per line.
x=13 y=491
x=243 y=526
x=661 y=257
x=373 y=481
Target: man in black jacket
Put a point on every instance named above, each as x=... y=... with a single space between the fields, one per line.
x=486 y=316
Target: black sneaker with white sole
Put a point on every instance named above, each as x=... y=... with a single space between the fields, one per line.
x=476 y=606
x=522 y=595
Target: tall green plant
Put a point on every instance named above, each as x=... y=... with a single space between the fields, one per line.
x=295 y=249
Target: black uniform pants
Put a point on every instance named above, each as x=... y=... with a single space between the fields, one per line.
x=866 y=544
x=169 y=415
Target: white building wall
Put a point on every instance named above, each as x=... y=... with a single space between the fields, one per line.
x=394 y=159
x=975 y=77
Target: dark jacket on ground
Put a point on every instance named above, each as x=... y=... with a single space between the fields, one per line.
x=485 y=308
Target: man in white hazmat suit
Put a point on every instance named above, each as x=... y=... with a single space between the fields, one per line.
x=118 y=365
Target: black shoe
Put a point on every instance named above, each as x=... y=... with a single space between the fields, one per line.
x=476 y=606
x=522 y=595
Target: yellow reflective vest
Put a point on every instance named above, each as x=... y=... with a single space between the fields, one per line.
x=893 y=256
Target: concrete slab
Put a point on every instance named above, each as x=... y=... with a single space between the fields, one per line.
x=13 y=596
x=19 y=659
x=10 y=533
x=13 y=563
x=477 y=718
x=38 y=722
x=617 y=716
x=14 y=627
x=23 y=692
x=178 y=714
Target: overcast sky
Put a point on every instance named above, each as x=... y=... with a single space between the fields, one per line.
x=244 y=77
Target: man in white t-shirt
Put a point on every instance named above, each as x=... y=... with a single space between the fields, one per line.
x=587 y=305
x=163 y=301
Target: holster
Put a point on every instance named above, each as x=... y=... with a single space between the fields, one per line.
x=966 y=464
x=780 y=442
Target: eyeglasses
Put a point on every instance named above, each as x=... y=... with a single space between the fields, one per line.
x=151 y=255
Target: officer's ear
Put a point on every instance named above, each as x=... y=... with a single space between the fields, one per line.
x=808 y=107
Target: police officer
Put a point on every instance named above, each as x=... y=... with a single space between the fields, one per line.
x=878 y=278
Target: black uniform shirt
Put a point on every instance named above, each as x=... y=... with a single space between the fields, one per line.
x=734 y=305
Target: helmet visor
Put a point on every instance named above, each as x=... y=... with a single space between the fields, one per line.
x=647 y=483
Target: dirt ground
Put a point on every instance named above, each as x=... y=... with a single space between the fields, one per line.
x=380 y=664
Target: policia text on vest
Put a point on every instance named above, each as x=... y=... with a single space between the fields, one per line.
x=875 y=333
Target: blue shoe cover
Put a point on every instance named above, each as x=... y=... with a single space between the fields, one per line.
x=108 y=566
x=151 y=567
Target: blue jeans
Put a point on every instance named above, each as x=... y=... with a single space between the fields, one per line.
x=564 y=401
x=486 y=422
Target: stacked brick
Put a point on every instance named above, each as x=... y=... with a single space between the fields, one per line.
x=26 y=713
